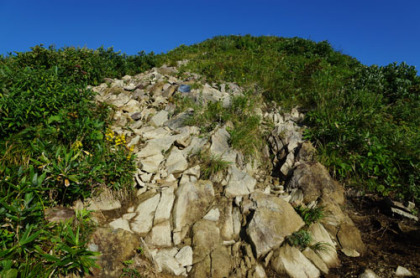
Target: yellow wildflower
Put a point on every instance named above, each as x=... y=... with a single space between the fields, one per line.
x=109 y=135
x=77 y=145
x=120 y=140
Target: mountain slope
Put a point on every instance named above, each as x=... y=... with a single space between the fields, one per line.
x=54 y=149
x=363 y=120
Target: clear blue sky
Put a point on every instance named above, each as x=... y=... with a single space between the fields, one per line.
x=373 y=31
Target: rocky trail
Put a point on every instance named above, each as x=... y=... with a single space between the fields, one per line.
x=242 y=221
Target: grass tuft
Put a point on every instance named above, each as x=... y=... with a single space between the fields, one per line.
x=310 y=215
x=300 y=239
x=211 y=165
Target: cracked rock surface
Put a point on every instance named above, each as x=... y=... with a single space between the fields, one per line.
x=235 y=224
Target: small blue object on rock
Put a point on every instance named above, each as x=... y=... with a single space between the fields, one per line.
x=184 y=88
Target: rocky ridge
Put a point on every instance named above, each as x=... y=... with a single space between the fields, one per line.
x=234 y=224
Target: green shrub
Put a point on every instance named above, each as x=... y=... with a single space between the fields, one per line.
x=300 y=239
x=31 y=247
x=310 y=215
x=82 y=65
x=53 y=151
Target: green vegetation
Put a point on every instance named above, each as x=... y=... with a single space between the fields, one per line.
x=303 y=237
x=363 y=120
x=310 y=215
x=128 y=271
x=245 y=134
x=53 y=151
x=211 y=165
x=320 y=247
x=300 y=239
x=40 y=249
x=55 y=145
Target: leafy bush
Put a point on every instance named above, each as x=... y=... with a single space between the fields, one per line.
x=53 y=151
x=31 y=246
x=82 y=65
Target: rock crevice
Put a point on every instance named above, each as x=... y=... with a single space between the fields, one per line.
x=237 y=223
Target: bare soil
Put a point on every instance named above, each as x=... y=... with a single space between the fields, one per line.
x=391 y=241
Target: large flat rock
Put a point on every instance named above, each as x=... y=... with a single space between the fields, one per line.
x=151 y=164
x=120 y=224
x=221 y=264
x=160 y=118
x=192 y=200
x=206 y=237
x=327 y=251
x=220 y=146
x=185 y=256
x=115 y=246
x=163 y=211
x=195 y=146
x=150 y=133
x=143 y=222
x=350 y=239
x=289 y=260
x=157 y=146
x=105 y=201
x=176 y=162
x=160 y=235
x=273 y=220
x=240 y=183
x=315 y=182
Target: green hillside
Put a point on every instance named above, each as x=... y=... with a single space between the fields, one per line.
x=363 y=120
x=54 y=150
